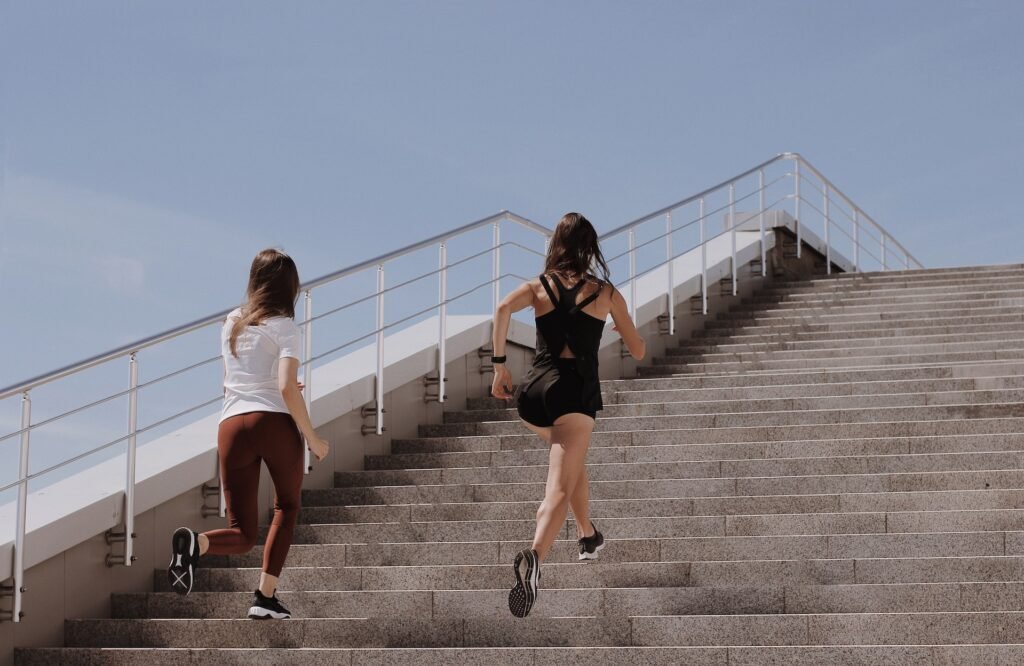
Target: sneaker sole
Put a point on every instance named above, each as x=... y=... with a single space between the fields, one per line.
x=522 y=596
x=179 y=574
x=260 y=613
x=591 y=556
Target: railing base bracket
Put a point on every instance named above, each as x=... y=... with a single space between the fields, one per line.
x=209 y=490
x=370 y=412
x=431 y=389
x=112 y=537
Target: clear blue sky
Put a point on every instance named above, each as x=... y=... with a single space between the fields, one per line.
x=150 y=148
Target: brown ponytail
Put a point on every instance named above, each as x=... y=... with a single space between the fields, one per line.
x=273 y=287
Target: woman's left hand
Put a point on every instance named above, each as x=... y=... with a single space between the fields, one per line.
x=501 y=387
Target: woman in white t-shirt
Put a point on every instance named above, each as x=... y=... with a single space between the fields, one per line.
x=264 y=420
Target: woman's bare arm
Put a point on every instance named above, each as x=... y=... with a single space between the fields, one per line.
x=520 y=299
x=625 y=326
x=288 y=384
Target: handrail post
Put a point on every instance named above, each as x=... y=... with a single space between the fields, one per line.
x=307 y=366
x=19 y=536
x=632 y=274
x=828 y=242
x=496 y=267
x=732 y=227
x=671 y=275
x=882 y=241
x=380 y=350
x=760 y=221
x=442 y=314
x=796 y=204
x=856 y=240
x=703 y=262
x=129 y=485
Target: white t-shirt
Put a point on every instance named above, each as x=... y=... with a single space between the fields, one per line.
x=250 y=380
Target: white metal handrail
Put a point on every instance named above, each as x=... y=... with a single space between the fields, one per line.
x=441 y=241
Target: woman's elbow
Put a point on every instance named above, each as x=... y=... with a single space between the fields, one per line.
x=639 y=351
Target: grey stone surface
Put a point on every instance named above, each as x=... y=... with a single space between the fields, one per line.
x=831 y=472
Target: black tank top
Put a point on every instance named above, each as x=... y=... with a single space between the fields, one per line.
x=568 y=326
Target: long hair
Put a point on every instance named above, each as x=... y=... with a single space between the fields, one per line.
x=574 y=249
x=273 y=287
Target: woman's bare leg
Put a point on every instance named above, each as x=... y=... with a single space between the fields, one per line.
x=579 y=502
x=570 y=438
x=543 y=433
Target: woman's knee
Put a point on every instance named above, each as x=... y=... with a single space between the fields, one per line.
x=553 y=500
x=249 y=537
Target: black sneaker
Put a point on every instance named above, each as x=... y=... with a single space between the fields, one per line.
x=524 y=594
x=184 y=560
x=267 y=608
x=589 y=546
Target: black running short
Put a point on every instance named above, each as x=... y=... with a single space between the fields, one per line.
x=552 y=392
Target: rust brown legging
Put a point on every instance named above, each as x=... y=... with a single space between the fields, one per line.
x=243 y=441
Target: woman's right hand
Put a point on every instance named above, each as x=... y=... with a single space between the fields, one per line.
x=502 y=383
x=319 y=446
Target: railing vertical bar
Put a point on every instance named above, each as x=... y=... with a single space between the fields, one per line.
x=828 y=225
x=129 y=485
x=732 y=234
x=796 y=205
x=380 y=349
x=19 y=536
x=882 y=241
x=856 y=241
x=671 y=275
x=442 y=334
x=760 y=221
x=307 y=367
x=496 y=267
x=632 y=274
x=703 y=262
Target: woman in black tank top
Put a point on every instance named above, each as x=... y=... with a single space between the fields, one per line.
x=561 y=393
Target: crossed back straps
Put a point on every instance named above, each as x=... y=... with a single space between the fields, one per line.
x=567 y=296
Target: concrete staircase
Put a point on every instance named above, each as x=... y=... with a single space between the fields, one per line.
x=831 y=473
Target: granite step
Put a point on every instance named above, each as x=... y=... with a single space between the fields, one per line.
x=897 y=348
x=652 y=407
x=674 y=526
x=840 y=307
x=799 y=335
x=708 y=487
x=846 y=655
x=696 y=549
x=763 y=598
x=950 y=288
x=862 y=322
x=667 y=630
x=696 y=469
x=659 y=507
x=867 y=360
x=472 y=455
x=762 y=419
x=690 y=348
x=809 y=376
x=598 y=575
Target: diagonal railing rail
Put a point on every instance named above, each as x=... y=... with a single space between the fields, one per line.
x=681 y=227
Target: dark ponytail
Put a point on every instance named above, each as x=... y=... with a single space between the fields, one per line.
x=574 y=249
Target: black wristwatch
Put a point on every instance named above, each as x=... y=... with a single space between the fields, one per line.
x=497 y=359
